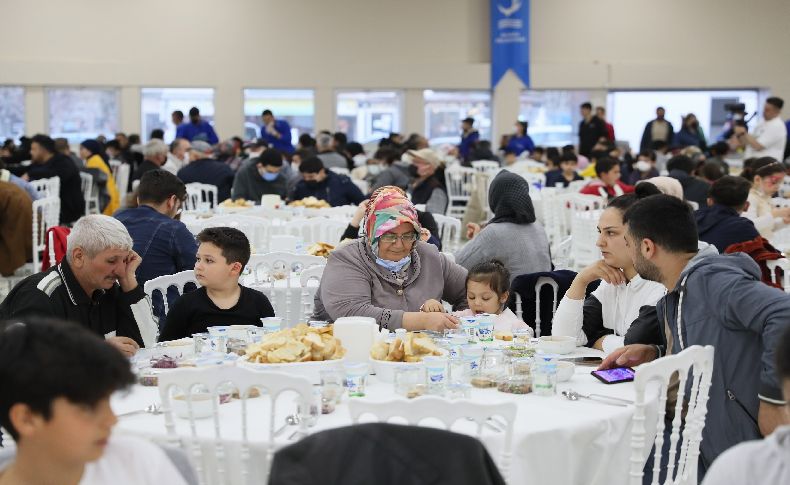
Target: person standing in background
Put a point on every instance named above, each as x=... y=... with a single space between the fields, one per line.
x=276 y=133
x=600 y=113
x=591 y=129
x=658 y=129
x=469 y=137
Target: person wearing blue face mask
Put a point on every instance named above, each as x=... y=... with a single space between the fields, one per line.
x=260 y=176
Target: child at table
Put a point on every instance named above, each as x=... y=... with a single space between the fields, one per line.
x=56 y=379
x=221 y=300
x=487 y=291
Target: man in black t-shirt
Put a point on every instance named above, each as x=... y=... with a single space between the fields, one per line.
x=591 y=129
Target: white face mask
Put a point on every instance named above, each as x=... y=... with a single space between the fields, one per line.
x=360 y=159
x=642 y=166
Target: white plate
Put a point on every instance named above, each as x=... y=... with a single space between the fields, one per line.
x=385 y=370
x=310 y=370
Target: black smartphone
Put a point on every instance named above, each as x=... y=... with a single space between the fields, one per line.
x=589 y=361
x=614 y=376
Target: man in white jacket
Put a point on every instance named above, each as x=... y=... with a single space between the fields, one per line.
x=759 y=462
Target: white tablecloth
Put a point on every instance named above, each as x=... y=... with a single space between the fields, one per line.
x=556 y=441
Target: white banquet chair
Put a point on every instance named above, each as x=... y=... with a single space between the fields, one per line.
x=162 y=283
x=780 y=264
x=257 y=229
x=263 y=265
x=542 y=281
x=689 y=413
x=46 y=215
x=317 y=229
x=460 y=182
x=449 y=231
x=313 y=273
x=198 y=193
x=47 y=187
x=486 y=166
x=417 y=410
x=217 y=466
x=90 y=193
x=120 y=173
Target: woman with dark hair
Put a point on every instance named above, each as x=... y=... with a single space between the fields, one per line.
x=690 y=134
x=766 y=175
x=608 y=317
x=520 y=142
x=513 y=236
x=96 y=163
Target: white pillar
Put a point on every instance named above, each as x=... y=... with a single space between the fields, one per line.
x=324 y=109
x=505 y=106
x=229 y=111
x=414 y=112
x=36 y=116
x=130 y=108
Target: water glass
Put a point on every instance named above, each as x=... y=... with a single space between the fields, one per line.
x=317 y=323
x=485 y=327
x=544 y=376
x=409 y=381
x=218 y=339
x=202 y=343
x=435 y=373
x=457 y=341
x=469 y=325
x=472 y=355
x=332 y=384
x=255 y=335
x=459 y=370
x=356 y=378
x=271 y=324
x=458 y=391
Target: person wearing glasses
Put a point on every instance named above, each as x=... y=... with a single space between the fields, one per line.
x=388 y=273
x=163 y=241
x=766 y=175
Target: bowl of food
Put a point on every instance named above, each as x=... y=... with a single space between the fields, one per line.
x=202 y=404
x=300 y=350
x=557 y=344
x=565 y=370
x=388 y=355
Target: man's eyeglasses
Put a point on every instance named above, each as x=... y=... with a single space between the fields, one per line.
x=390 y=238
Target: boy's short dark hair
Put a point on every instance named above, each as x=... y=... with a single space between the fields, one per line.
x=271 y=157
x=233 y=243
x=158 y=133
x=667 y=221
x=45 y=142
x=649 y=154
x=156 y=186
x=605 y=165
x=730 y=191
x=681 y=162
x=568 y=157
x=311 y=165
x=44 y=359
x=777 y=102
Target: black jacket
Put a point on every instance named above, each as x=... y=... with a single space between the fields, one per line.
x=208 y=171
x=647 y=136
x=336 y=189
x=590 y=133
x=723 y=226
x=694 y=189
x=385 y=454
x=72 y=201
x=56 y=293
x=144 y=167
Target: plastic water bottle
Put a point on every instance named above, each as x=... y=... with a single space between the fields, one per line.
x=544 y=376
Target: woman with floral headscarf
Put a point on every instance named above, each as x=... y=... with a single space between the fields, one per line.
x=389 y=273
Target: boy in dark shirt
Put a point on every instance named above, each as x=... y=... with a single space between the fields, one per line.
x=221 y=300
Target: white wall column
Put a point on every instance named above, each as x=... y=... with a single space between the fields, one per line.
x=505 y=106
x=130 y=108
x=35 y=110
x=413 y=112
x=229 y=111
x=324 y=117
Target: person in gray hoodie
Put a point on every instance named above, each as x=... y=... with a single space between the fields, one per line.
x=714 y=300
x=759 y=462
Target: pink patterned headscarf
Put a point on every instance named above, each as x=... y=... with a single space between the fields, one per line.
x=388 y=208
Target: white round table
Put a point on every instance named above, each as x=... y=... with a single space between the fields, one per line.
x=556 y=441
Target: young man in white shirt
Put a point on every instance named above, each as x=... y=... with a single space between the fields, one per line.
x=56 y=379
x=769 y=137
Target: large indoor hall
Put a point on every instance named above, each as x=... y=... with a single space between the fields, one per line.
x=408 y=242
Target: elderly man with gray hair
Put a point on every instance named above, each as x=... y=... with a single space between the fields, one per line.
x=327 y=153
x=94 y=285
x=155 y=154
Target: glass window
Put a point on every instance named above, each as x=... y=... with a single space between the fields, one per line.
x=367 y=116
x=444 y=111
x=631 y=110
x=158 y=104
x=12 y=112
x=80 y=113
x=553 y=116
x=296 y=106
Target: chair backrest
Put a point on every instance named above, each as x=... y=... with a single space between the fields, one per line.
x=415 y=411
x=46 y=214
x=47 y=187
x=460 y=182
x=201 y=193
x=313 y=273
x=317 y=229
x=162 y=283
x=274 y=264
x=257 y=229
x=86 y=182
x=486 y=165
x=121 y=173
x=562 y=255
x=689 y=413
x=541 y=281
x=780 y=272
x=584 y=234
x=449 y=231
x=283 y=242
x=217 y=380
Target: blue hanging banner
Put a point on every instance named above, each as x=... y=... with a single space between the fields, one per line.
x=509 y=39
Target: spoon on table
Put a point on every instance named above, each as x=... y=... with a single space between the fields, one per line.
x=152 y=408
x=290 y=420
x=572 y=395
